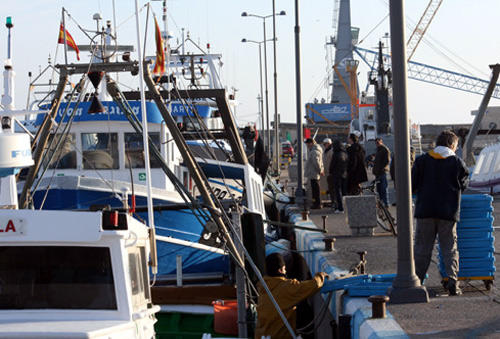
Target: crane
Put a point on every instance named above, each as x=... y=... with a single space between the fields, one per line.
x=421 y=27
x=435 y=75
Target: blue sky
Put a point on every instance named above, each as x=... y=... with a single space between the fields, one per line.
x=466 y=28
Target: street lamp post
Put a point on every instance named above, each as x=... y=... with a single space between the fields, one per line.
x=261 y=99
x=277 y=150
x=276 y=141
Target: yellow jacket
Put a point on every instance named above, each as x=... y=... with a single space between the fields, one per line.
x=288 y=293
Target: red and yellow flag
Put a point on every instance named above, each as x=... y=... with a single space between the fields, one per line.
x=69 y=41
x=160 y=52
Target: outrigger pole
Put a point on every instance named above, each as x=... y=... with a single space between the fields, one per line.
x=43 y=138
x=193 y=167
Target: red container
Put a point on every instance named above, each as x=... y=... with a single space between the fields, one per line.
x=226 y=316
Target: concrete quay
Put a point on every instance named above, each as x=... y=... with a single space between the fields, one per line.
x=474 y=314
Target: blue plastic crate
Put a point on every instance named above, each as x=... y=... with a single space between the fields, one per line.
x=474 y=213
x=469 y=273
x=475 y=223
x=471 y=233
x=476 y=200
x=476 y=253
x=474 y=263
x=482 y=244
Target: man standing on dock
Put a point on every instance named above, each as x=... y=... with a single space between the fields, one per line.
x=438 y=178
x=314 y=170
x=327 y=159
x=356 y=168
x=381 y=168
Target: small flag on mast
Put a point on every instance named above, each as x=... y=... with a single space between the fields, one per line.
x=69 y=41
x=160 y=52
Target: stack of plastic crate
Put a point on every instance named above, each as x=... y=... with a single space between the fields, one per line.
x=475 y=240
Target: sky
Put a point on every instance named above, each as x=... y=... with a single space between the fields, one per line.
x=464 y=31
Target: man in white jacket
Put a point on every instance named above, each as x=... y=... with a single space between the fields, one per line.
x=313 y=170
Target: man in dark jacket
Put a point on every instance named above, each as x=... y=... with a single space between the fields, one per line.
x=338 y=173
x=381 y=168
x=438 y=178
x=356 y=169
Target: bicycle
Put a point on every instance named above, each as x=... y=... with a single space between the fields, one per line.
x=384 y=217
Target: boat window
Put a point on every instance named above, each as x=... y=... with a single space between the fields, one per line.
x=191 y=124
x=61 y=151
x=487 y=163
x=138 y=277
x=496 y=169
x=134 y=150
x=56 y=277
x=100 y=150
x=479 y=164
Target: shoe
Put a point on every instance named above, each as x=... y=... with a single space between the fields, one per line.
x=338 y=212
x=453 y=288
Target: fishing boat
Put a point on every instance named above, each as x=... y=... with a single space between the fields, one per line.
x=95 y=157
x=67 y=273
x=486 y=173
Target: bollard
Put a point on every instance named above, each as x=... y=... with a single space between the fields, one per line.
x=293 y=191
x=362 y=260
x=329 y=243
x=304 y=215
x=283 y=189
x=378 y=305
x=344 y=328
x=324 y=221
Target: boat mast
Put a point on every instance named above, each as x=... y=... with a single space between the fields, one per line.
x=154 y=262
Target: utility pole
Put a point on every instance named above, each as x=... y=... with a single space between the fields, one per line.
x=406 y=287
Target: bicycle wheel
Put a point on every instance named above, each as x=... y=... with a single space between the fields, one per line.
x=385 y=219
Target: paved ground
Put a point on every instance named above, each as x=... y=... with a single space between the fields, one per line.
x=474 y=314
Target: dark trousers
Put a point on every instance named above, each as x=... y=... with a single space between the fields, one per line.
x=425 y=238
x=331 y=189
x=316 y=199
x=382 y=186
x=340 y=188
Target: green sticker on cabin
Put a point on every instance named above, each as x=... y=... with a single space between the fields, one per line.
x=142 y=176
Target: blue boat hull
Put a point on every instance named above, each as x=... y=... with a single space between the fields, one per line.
x=180 y=224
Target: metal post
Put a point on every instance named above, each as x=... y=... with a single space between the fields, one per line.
x=469 y=141
x=300 y=133
x=241 y=291
x=268 y=132
x=406 y=287
x=261 y=102
x=277 y=151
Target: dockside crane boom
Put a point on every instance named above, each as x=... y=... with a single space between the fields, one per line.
x=422 y=26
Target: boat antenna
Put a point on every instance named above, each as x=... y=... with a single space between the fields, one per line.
x=154 y=261
x=114 y=20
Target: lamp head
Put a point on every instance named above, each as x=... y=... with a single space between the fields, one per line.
x=282 y=13
x=244 y=14
x=243 y=40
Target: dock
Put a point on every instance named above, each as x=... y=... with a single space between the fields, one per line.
x=475 y=313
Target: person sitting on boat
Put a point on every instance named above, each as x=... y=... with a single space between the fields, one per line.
x=287 y=293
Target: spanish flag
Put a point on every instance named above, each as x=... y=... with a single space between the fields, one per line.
x=160 y=52
x=69 y=41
